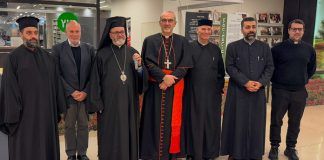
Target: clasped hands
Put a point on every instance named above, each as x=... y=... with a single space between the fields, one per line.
x=79 y=95
x=253 y=86
x=168 y=81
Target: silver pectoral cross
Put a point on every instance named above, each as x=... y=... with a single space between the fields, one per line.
x=167 y=63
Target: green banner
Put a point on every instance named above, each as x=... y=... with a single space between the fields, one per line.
x=223 y=31
x=64 y=18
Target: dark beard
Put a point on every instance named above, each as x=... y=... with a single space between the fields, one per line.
x=31 y=44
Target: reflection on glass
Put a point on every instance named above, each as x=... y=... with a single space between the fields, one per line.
x=48 y=14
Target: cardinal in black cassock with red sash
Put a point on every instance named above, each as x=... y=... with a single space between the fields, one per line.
x=32 y=97
x=162 y=129
x=117 y=79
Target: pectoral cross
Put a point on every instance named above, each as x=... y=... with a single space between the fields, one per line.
x=167 y=63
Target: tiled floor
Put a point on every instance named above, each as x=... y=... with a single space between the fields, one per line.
x=310 y=145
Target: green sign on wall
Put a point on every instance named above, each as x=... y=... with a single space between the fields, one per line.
x=64 y=18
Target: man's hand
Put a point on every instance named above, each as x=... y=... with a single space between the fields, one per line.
x=169 y=80
x=257 y=85
x=75 y=94
x=163 y=86
x=253 y=86
x=79 y=95
x=82 y=96
x=137 y=57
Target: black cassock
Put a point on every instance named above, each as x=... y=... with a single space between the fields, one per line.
x=156 y=119
x=203 y=94
x=244 y=122
x=31 y=99
x=117 y=103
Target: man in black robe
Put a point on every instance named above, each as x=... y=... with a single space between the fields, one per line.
x=167 y=58
x=249 y=65
x=295 y=63
x=32 y=97
x=117 y=79
x=203 y=93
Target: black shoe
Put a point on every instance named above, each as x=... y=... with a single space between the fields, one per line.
x=291 y=153
x=72 y=158
x=83 y=157
x=273 y=154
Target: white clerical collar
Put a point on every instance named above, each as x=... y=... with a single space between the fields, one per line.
x=72 y=45
x=203 y=44
x=294 y=42
x=166 y=37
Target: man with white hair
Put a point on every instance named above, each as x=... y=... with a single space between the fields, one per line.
x=75 y=59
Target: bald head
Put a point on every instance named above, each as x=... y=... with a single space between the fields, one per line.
x=73 y=23
x=73 y=32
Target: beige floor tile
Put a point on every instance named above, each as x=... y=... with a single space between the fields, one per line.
x=310 y=142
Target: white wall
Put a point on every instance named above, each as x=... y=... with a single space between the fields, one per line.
x=141 y=12
x=145 y=13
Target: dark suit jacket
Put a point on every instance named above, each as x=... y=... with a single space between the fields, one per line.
x=68 y=68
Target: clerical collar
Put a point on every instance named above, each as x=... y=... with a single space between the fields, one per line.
x=166 y=37
x=294 y=42
x=249 y=42
x=72 y=45
x=202 y=43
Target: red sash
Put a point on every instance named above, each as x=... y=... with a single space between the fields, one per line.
x=176 y=118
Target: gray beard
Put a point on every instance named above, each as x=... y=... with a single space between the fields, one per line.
x=31 y=44
x=250 y=38
x=119 y=42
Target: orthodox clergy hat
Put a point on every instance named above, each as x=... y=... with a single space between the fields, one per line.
x=27 y=22
x=205 y=22
x=111 y=23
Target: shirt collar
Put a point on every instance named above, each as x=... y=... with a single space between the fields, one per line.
x=74 y=45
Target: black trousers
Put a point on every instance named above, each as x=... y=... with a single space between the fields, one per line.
x=292 y=102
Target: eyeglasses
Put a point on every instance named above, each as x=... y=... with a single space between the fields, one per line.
x=118 y=33
x=167 y=20
x=297 y=29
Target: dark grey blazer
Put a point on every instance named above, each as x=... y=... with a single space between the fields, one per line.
x=68 y=68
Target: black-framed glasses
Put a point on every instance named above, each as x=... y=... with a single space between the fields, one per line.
x=297 y=29
x=118 y=33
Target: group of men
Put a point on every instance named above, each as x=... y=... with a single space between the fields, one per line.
x=182 y=84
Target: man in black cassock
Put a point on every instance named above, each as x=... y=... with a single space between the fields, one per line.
x=117 y=79
x=203 y=93
x=167 y=59
x=249 y=65
x=32 y=97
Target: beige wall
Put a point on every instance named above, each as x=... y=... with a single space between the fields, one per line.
x=145 y=13
x=251 y=7
x=142 y=12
